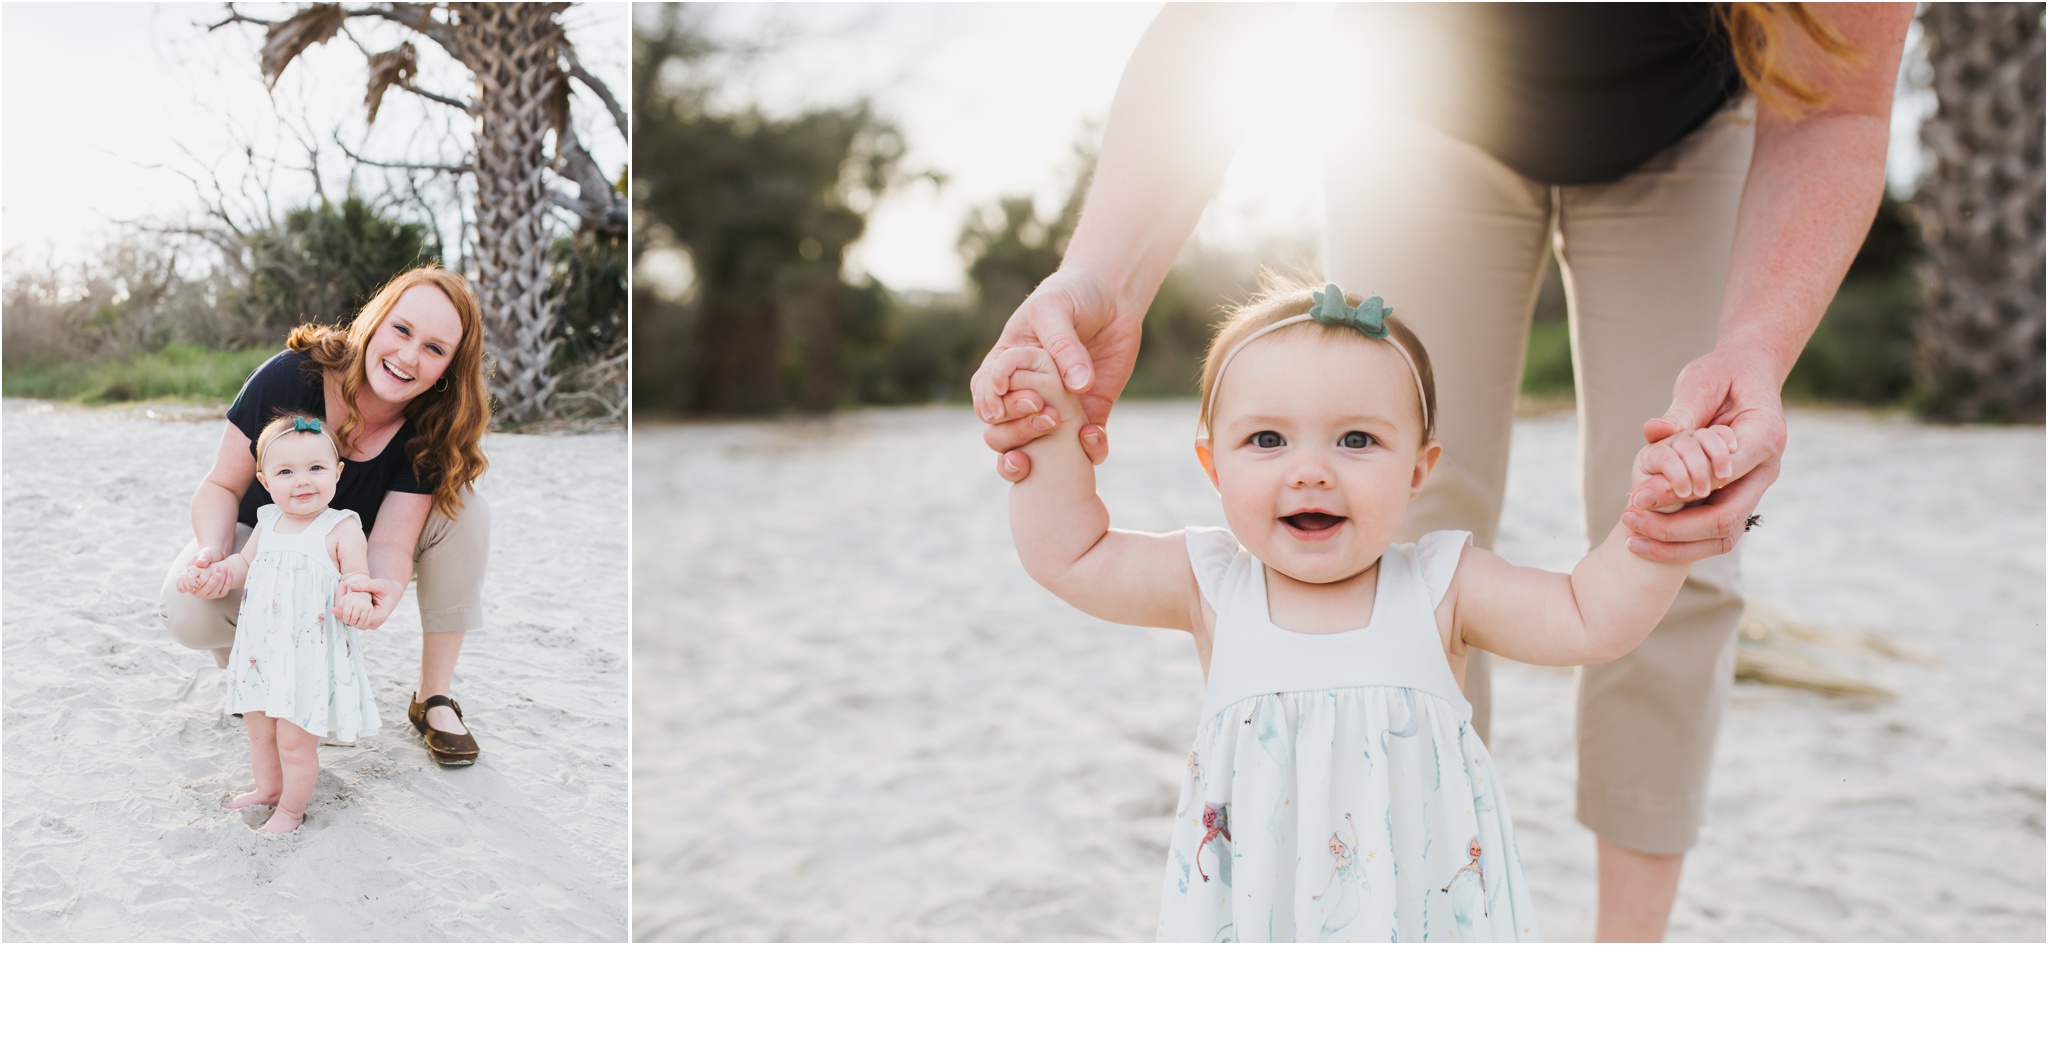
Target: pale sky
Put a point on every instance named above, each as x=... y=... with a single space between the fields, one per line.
x=97 y=94
x=995 y=96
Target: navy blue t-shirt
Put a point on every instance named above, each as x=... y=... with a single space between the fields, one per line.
x=290 y=383
x=1564 y=94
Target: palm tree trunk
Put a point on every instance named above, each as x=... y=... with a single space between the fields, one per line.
x=1980 y=214
x=511 y=50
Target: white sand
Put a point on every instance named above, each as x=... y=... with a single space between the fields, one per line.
x=114 y=770
x=857 y=719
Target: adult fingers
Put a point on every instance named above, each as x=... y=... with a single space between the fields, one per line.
x=1010 y=435
x=1013 y=466
x=1719 y=518
x=1759 y=439
x=1682 y=551
x=1095 y=443
x=1696 y=399
x=1052 y=319
x=207 y=556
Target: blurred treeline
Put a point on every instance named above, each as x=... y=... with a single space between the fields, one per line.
x=765 y=209
x=187 y=312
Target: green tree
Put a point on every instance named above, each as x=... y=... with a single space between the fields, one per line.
x=322 y=263
x=766 y=208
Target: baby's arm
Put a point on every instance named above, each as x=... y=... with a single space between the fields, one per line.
x=352 y=557
x=1610 y=602
x=1062 y=528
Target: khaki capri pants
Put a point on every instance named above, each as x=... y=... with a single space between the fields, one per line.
x=448 y=562
x=1456 y=243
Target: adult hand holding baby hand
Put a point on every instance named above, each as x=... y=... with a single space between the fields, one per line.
x=353 y=607
x=1091 y=340
x=206 y=578
x=1737 y=390
x=383 y=594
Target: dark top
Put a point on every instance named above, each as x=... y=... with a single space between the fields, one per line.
x=1564 y=94
x=290 y=383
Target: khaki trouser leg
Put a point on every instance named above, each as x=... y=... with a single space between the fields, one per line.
x=450 y=564
x=1456 y=243
x=1645 y=262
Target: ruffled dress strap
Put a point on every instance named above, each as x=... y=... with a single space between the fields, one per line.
x=1437 y=554
x=1210 y=551
x=267 y=516
x=327 y=521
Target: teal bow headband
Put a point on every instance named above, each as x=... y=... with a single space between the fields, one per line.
x=307 y=424
x=1331 y=308
x=1369 y=318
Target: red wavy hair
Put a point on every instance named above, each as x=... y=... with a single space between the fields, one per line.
x=449 y=422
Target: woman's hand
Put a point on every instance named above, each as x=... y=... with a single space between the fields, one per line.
x=354 y=608
x=206 y=578
x=1093 y=341
x=1719 y=388
x=384 y=596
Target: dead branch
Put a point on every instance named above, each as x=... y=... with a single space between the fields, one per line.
x=445 y=168
x=597 y=87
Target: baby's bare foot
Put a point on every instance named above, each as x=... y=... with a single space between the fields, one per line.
x=247 y=799
x=282 y=822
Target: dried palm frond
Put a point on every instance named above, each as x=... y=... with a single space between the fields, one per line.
x=286 y=40
x=396 y=66
x=1776 y=650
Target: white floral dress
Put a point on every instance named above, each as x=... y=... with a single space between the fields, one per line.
x=1336 y=790
x=293 y=659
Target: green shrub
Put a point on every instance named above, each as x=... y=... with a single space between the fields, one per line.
x=190 y=373
x=1547 y=371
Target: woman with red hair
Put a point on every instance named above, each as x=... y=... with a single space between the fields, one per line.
x=403 y=389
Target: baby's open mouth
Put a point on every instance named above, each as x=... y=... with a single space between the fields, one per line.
x=1312 y=522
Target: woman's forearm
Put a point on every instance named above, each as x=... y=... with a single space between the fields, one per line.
x=215 y=510
x=1813 y=190
x=390 y=563
x=1813 y=187
x=1170 y=135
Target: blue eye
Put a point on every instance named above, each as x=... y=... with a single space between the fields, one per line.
x=1355 y=441
x=1268 y=440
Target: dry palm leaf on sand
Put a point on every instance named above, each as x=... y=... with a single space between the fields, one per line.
x=1776 y=650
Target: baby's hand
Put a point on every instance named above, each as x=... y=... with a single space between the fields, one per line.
x=1037 y=374
x=353 y=607
x=1689 y=465
x=207 y=582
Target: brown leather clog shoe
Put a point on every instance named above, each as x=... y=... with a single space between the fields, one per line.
x=449 y=749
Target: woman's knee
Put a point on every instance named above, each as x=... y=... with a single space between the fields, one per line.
x=197 y=623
